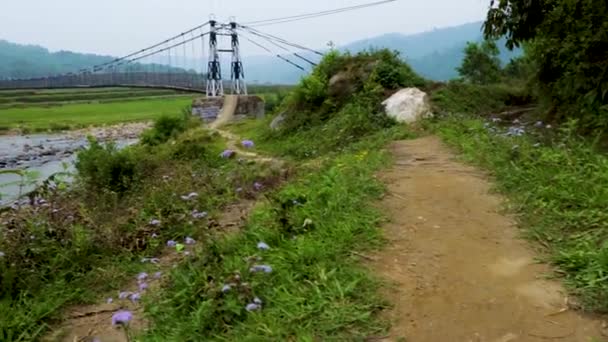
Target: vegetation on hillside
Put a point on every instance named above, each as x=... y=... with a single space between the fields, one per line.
x=338 y=104
x=25 y=61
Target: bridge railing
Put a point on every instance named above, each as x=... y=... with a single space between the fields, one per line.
x=191 y=81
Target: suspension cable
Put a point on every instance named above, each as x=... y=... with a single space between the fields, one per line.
x=315 y=14
x=276 y=55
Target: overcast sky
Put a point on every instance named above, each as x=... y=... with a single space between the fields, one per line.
x=117 y=27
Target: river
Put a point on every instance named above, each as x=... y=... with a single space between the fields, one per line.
x=46 y=154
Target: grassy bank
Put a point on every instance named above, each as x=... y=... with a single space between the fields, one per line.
x=316 y=226
x=36 y=119
x=73 y=245
x=317 y=289
x=557 y=182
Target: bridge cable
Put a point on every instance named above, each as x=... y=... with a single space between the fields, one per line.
x=273 y=42
x=148 y=48
x=279 y=39
x=276 y=55
x=282 y=20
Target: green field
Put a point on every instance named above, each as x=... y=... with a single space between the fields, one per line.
x=81 y=115
x=38 y=110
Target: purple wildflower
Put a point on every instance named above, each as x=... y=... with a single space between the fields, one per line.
x=171 y=243
x=261 y=268
x=226 y=288
x=122 y=317
x=189 y=241
x=143 y=286
x=253 y=307
x=157 y=275
x=142 y=276
x=135 y=297
x=124 y=295
x=257 y=186
x=154 y=222
x=263 y=246
x=247 y=144
x=199 y=214
x=110 y=300
x=257 y=300
x=227 y=154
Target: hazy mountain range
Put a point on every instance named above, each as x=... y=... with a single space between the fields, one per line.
x=434 y=54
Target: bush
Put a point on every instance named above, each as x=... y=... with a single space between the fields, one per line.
x=106 y=168
x=165 y=128
x=461 y=97
x=348 y=89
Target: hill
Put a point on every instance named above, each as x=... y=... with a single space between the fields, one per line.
x=433 y=54
x=21 y=61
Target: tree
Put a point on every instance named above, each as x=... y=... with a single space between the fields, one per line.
x=481 y=64
x=569 y=46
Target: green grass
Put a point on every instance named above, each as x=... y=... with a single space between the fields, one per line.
x=318 y=289
x=559 y=188
x=81 y=115
x=94 y=242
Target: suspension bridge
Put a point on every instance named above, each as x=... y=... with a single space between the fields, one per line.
x=191 y=60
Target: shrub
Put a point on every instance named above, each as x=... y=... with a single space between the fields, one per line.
x=105 y=167
x=165 y=128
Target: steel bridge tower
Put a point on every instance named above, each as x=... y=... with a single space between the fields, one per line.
x=215 y=85
x=239 y=87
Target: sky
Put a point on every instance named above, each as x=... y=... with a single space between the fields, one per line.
x=118 y=27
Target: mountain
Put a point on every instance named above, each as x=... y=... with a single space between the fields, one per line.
x=22 y=61
x=434 y=54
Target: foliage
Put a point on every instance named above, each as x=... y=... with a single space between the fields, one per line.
x=568 y=44
x=316 y=289
x=559 y=185
x=166 y=127
x=459 y=97
x=105 y=167
x=340 y=103
x=69 y=245
x=481 y=64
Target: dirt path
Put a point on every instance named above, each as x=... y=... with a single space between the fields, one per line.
x=459 y=269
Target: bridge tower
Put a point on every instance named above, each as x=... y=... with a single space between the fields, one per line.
x=239 y=87
x=215 y=86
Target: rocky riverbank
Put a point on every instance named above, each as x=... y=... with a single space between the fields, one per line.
x=25 y=151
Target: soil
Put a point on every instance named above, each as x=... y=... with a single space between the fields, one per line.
x=458 y=269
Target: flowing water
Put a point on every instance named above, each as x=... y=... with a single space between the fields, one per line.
x=40 y=156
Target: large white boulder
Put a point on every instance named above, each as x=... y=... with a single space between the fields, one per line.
x=408 y=105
